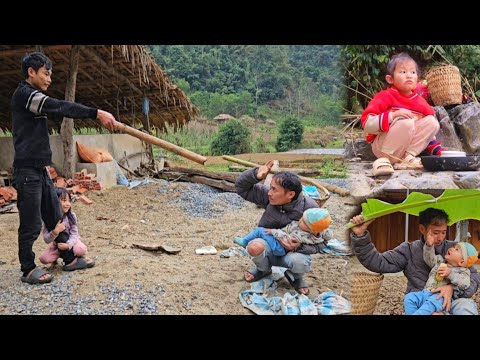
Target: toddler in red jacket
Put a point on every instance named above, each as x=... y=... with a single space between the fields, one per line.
x=399 y=122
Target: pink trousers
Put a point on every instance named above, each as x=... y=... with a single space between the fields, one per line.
x=405 y=136
x=51 y=254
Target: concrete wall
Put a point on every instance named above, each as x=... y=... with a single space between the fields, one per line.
x=119 y=145
x=6 y=153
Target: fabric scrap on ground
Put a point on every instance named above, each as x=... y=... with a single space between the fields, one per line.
x=262 y=300
x=136 y=183
x=337 y=247
x=234 y=251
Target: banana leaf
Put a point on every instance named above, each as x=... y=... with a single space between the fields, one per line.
x=459 y=204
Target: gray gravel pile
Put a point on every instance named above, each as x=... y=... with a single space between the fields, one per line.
x=205 y=201
x=59 y=298
x=342 y=183
x=132 y=299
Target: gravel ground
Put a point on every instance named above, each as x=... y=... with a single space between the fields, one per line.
x=127 y=280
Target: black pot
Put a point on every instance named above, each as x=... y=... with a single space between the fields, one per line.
x=461 y=163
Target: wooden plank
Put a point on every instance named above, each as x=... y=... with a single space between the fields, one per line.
x=211 y=174
x=320 y=185
x=220 y=184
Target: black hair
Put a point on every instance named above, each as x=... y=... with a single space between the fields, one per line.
x=63 y=194
x=289 y=181
x=433 y=216
x=399 y=58
x=35 y=61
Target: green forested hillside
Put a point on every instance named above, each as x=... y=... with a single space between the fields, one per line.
x=366 y=67
x=258 y=80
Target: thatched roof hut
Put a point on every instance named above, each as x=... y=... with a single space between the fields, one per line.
x=223 y=117
x=115 y=78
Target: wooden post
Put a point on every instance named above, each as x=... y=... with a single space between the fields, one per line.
x=461 y=231
x=66 y=131
x=146 y=126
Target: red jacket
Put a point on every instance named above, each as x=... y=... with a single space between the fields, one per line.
x=390 y=100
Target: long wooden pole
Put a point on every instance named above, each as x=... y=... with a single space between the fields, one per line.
x=321 y=185
x=162 y=143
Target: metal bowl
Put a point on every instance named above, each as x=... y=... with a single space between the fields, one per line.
x=461 y=163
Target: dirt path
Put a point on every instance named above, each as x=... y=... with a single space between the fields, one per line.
x=128 y=280
x=162 y=213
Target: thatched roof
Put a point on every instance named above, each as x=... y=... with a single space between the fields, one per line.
x=115 y=78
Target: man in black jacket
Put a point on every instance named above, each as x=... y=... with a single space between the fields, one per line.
x=283 y=203
x=37 y=199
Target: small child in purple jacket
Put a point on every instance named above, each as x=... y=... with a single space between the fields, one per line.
x=64 y=239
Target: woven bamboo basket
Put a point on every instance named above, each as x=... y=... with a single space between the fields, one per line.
x=365 y=290
x=445 y=85
x=321 y=202
x=324 y=194
x=324 y=197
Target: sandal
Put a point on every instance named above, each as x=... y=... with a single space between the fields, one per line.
x=35 y=275
x=81 y=263
x=409 y=162
x=297 y=284
x=382 y=166
x=257 y=274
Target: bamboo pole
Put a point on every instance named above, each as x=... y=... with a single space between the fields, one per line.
x=310 y=181
x=162 y=143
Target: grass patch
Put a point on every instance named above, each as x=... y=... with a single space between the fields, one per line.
x=217 y=167
x=334 y=168
x=336 y=144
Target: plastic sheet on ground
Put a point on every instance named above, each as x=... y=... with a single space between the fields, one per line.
x=136 y=183
x=311 y=191
x=234 y=251
x=121 y=179
x=337 y=247
x=262 y=300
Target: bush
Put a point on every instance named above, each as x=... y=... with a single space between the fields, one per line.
x=290 y=134
x=233 y=138
x=260 y=145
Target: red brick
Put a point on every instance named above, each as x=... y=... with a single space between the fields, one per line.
x=85 y=200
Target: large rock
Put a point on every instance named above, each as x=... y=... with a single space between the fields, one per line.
x=466 y=118
x=359 y=148
x=467 y=180
x=425 y=181
x=447 y=134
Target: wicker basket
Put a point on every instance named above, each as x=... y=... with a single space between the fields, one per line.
x=321 y=202
x=324 y=195
x=365 y=289
x=445 y=85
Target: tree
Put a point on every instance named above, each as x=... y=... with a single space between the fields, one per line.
x=290 y=134
x=366 y=65
x=232 y=138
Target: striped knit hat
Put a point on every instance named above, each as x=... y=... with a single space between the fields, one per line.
x=469 y=253
x=317 y=219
